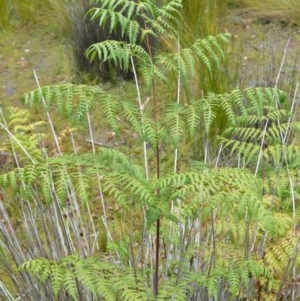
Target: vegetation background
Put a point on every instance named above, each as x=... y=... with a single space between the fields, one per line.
x=50 y=39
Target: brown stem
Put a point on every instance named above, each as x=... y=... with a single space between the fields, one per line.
x=157 y=258
x=155 y=117
x=157 y=228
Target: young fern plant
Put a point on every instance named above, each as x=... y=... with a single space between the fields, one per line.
x=199 y=232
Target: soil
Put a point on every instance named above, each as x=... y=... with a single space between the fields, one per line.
x=31 y=48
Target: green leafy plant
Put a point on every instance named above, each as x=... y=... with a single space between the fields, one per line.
x=162 y=222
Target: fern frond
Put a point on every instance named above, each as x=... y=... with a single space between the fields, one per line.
x=185 y=60
x=173 y=123
x=73 y=101
x=151 y=133
x=163 y=18
x=208 y=106
x=24 y=136
x=131 y=113
x=225 y=101
x=171 y=290
x=258 y=98
x=121 y=53
x=110 y=107
x=17 y=116
x=120 y=177
x=100 y=277
x=192 y=115
x=37 y=266
x=210 y=47
x=57 y=277
x=278 y=255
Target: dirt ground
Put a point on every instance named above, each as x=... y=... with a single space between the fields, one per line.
x=31 y=48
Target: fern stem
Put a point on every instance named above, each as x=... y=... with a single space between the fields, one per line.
x=184 y=247
x=87 y=204
x=48 y=115
x=63 y=230
x=157 y=257
x=278 y=77
x=73 y=143
x=219 y=155
x=286 y=136
x=178 y=102
x=175 y=156
x=206 y=149
x=294 y=224
x=141 y=107
x=212 y=263
x=261 y=147
x=6 y=292
x=282 y=63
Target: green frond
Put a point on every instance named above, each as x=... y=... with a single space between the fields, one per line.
x=233 y=279
x=256 y=117
x=100 y=277
x=278 y=255
x=237 y=99
x=221 y=187
x=46 y=185
x=131 y=114
x=40 y=266
x=151 y=133
x=277 y=183
x=24 y=136
x=248 y=151
x=57 y=277
x=121 y=53
x=171 y=10
x=173 y=123
x=207 y=50
x=119 y=176
x=69 y=283
x=82 y=186
x=164 y=18
x=259 y=98
x=110 y=108
x=72 y=101
x=61 y=185
x=283 y=224
x=129 y=27
x=170 y=290
x=208 y=106
x=212 y=282
x=225 y=101
x=17 y=116
x=192 y=115
x=150 y=71
x=245 y=134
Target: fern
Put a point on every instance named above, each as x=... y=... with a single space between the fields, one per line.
x=184 y=61
x=218 y=225
x=99 y=276
x=73 y=101
x=24 y=136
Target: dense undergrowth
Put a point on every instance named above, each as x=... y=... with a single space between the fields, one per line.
x=191 y=194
